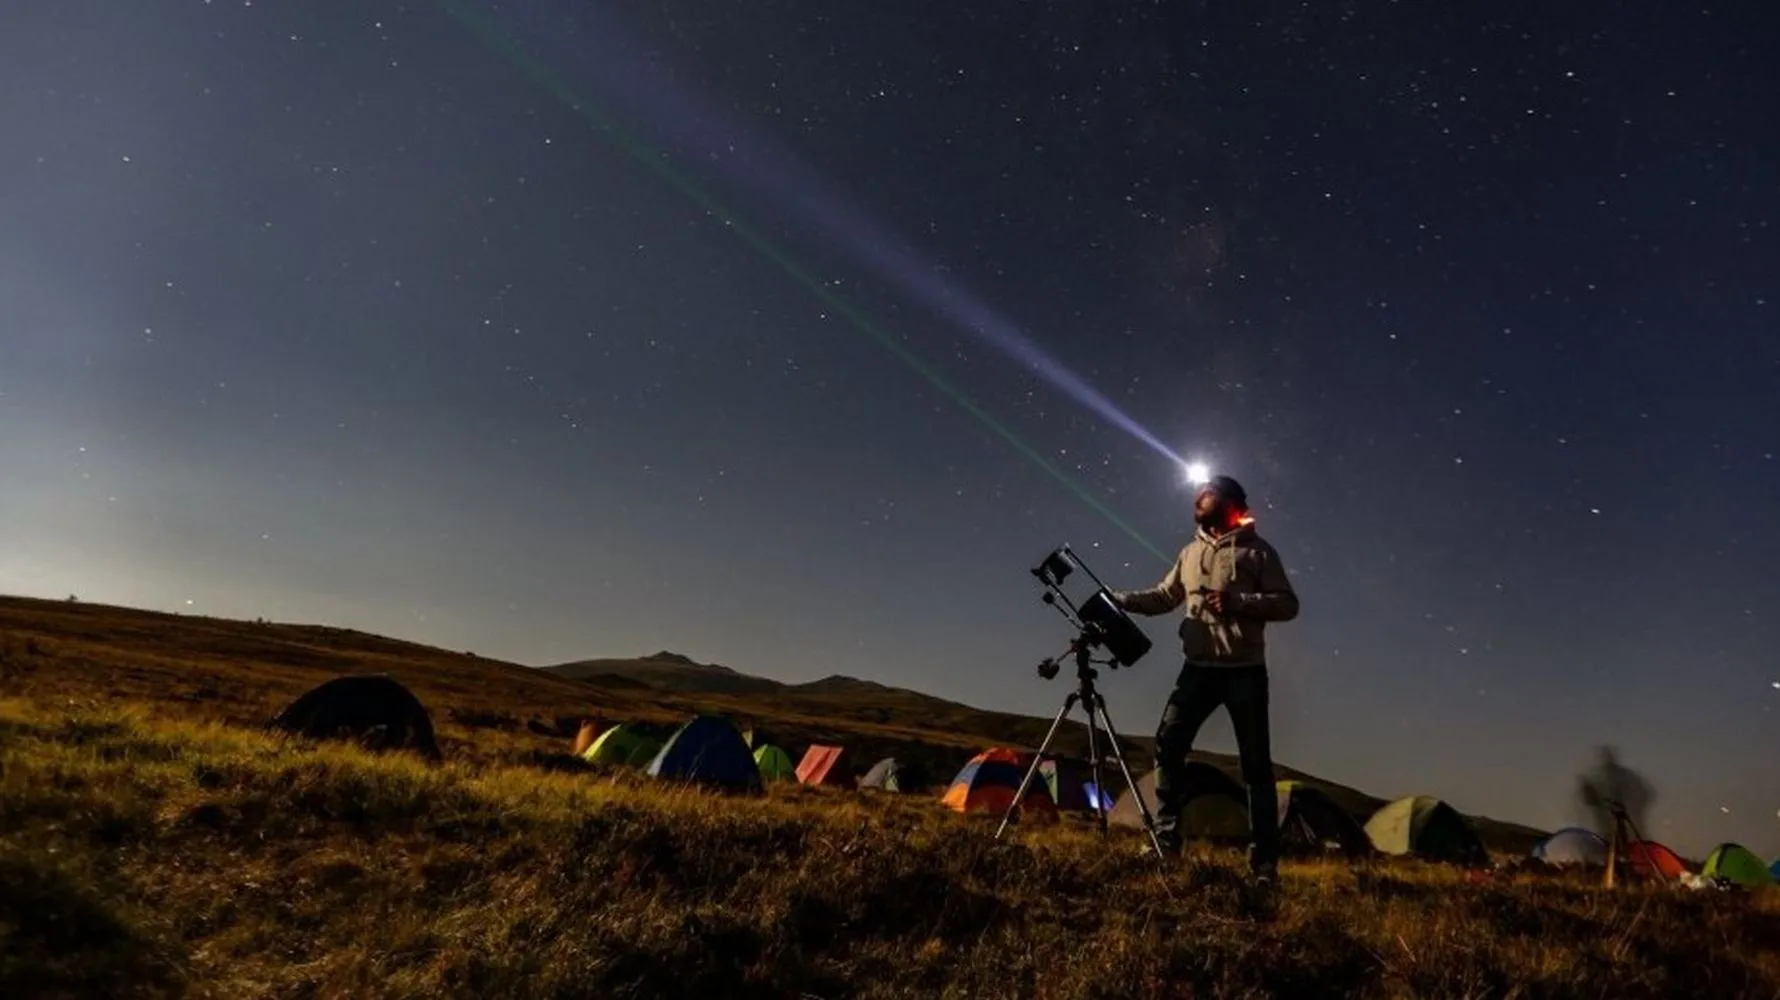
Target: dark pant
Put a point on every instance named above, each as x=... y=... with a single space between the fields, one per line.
x=1198 y=693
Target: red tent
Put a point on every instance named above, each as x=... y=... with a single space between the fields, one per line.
x=822 y=765
x=1651 y=859
x=989 y=781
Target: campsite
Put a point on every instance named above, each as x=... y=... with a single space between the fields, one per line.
x=186 y=814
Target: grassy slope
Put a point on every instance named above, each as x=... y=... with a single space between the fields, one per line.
x=152 y=844
x=243 y=672
x=142 y=855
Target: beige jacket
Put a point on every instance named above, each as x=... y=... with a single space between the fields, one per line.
x=1239 y=563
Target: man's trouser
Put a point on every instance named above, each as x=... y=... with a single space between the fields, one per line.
x=1197 y=693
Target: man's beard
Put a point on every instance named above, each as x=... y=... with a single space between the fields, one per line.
x=1214 y=519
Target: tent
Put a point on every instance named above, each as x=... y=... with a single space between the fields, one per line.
x=988 y=783
x=1774 y=869
x=374 y=710
x=1311 y=823
x=1425 y=826
x=774 y=764
x=589 y=731
x=622 y=746
x=1068 y=782
x=708 y=750
x=893 y=775
x=1572 y=845
x=1652 y=860
x=823 y=765
x=1216 y=804
x=1736 y=863
x=1107 y=802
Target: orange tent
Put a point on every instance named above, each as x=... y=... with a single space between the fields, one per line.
x=989 y=781
x=1651 y=859
x=822 y=765
x=590 y=731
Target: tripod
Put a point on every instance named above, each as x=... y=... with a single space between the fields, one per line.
x=1619 y=841
x=1095 y=706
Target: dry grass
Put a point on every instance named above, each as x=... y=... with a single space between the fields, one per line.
x=148 y=857
x=153 y=845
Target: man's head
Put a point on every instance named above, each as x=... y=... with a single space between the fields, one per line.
x=1220 y=504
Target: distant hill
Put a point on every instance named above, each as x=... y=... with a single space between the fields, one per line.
x=667 y=671
x=842 y=684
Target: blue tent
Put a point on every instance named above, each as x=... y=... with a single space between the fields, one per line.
x=1572 y=846
x=1774 y=869
x=710 y=751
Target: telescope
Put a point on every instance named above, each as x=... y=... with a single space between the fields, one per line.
x=1100 y=624
x=1099 y=620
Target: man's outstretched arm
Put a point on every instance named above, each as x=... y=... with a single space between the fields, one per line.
x=1158 y=600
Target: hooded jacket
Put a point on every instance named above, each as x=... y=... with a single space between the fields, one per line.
x=1248 y=570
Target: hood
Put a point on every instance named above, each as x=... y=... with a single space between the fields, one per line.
x=1244 y=529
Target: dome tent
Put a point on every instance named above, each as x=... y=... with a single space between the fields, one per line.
x=374 y=710
x=774 y=764
x=1311 y=822
x=1652 y=860
x=1572 y=846
x=988 y=783
x=1736 y=863
x=708 y=750
x=622 y=746
x=1216 y=804
x=893 y=775
x=1427 y=827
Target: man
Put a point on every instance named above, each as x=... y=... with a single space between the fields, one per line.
x=1232 y=584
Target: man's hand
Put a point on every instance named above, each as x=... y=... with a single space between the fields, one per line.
x=1218 y=601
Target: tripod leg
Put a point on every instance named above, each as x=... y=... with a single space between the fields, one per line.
x=1149 y=822
x=1094 y=760
x=1026 y=782
x=1639 y=834
x=1615 y=853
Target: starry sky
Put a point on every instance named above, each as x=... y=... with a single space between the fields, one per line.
x=749 y=331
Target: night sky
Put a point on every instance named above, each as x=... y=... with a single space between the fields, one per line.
x=556 y=330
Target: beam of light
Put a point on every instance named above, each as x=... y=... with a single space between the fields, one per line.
x=658 y=163
x=645 y=90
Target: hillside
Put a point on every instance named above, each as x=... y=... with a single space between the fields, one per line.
x=242 y=672
x=156 y=842
x=146 y=855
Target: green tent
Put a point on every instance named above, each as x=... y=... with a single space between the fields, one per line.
x=1427 y=827
x=1215 y=804
x=1735 y=863
x=622 y=746
x=774 y=764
